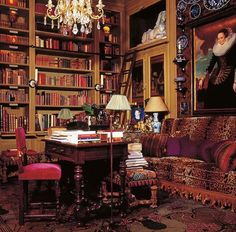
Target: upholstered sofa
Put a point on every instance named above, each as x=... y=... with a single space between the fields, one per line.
x=195 y=157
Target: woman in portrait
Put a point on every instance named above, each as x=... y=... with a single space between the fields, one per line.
x=220 y=79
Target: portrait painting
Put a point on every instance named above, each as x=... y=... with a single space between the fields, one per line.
x=214 y=69
x=137 y=114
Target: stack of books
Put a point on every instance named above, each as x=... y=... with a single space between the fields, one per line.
x=75 y=136
x=105 y=135
x=135 y=158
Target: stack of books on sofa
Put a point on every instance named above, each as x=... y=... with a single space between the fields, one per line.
x=135 y=157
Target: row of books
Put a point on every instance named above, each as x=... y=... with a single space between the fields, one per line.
x=17 y=95
x=19 y=3
x=14 y=39
x=52 y=43
x=111 y=38
x=109 y=49
x=10 y=56
x=105 y=98
x=13 y=76
x=108 y=81
x=20 y=23
x=9 y=122
x=45 y=121
x=40 y=7
x=56 y=99
x=59 y=62
x=62 y=79
x=109 y=65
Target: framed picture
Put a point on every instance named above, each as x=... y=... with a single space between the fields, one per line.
x=137 y=83
x=137 y=114
x=214 y=59
x=157 y=75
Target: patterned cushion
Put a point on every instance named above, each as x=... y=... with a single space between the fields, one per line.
x=153 y=144
x=189 y=148
x=173 y=146
x=137 y=177
x=205 y=151
x=222 y=128
x=225 y=155
x=9 y=156
x=167 y=126
x=195 y=127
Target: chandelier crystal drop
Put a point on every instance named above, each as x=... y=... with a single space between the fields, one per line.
x=75 y=15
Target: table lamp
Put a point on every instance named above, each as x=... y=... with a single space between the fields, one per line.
x=65 y=114
x=117 y=103
x=155 y=105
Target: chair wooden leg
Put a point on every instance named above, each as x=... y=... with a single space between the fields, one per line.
x=21 y=203
x=154 y=196
x=25 y=195
x=4 y=173
x=57 y=193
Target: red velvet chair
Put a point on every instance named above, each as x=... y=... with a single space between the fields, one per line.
x=8 y=164
x=35 y=172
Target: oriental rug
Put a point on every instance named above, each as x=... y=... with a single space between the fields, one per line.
x=173 y=214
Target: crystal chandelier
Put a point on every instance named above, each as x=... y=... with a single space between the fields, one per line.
x=74 y=13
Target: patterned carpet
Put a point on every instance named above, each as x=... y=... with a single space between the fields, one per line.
x=172 y=214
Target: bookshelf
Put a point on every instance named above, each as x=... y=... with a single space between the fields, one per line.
x=65 y=67
x=109 y=59
x=14 y=65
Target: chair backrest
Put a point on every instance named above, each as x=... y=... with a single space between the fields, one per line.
x=21 y=147
x=20 y=140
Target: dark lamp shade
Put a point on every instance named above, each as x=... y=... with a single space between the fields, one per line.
x=65 y=114
x=118 y=102
x=156 y=104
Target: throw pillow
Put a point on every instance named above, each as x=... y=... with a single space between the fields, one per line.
x=188 y=148
x=173 y=147
x=205 y=150
x=225 y=156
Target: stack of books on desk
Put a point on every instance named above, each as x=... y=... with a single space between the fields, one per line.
x=75 y=136
x=88 y=137
x=135 y=158
x=105 y=135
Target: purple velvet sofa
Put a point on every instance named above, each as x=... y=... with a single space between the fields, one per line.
x=195 y=157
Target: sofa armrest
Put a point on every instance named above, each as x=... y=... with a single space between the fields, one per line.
x=154 y=145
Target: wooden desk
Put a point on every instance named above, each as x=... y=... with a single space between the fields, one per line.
x=83 y=152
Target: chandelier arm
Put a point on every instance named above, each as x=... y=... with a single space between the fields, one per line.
x=99 y=15
x=53 y=17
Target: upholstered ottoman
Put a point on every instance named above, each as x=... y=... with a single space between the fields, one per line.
x=138 y=181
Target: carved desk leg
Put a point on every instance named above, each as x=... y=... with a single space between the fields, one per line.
x=79 y=192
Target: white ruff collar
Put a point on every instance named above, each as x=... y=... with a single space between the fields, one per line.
x=220 y=50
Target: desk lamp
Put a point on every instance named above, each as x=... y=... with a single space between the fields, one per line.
x=117 y=103
x=155 y=105
x=65 y=114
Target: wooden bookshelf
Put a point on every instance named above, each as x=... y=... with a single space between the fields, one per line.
x=63 y=66
x=110 y=55
x=14 y=65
